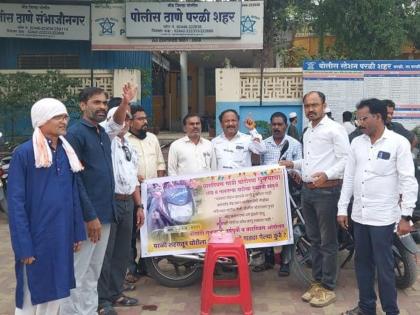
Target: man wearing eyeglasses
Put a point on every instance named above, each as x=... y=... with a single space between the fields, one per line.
x=326 y=146
x=151 y=165
x=379 y=174
x=127 y=198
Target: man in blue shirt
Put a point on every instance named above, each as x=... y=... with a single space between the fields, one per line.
x=45 y=217
x=92 y=144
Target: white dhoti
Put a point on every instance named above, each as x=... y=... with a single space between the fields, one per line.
x=48 y=308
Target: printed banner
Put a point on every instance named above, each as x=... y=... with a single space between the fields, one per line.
x=183 y=211
x=346 y=82
x=183 y=19
x=46 y=21
x=109 y=32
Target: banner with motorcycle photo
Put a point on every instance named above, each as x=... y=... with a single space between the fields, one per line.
x=183 y=211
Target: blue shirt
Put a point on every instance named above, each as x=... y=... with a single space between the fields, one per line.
x=96 y=182
x=45 y=221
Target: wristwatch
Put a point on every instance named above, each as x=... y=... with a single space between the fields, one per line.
x=406 y=217
x=139 y=206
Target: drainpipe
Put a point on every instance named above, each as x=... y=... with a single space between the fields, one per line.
x=184 y=83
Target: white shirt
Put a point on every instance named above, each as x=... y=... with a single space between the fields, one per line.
x=236 y=153
x=349 y=127
x=125 y=172
x=111 y=127
x=150 y=155
x=376 y=174
x=186 y=157
x=325 y=149
x=273 y=150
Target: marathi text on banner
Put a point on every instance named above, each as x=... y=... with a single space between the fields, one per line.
x=182 y=212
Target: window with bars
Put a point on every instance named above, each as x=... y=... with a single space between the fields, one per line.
x=45 y=61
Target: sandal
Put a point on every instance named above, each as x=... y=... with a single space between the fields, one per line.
x=124 y=300
x=107 y=310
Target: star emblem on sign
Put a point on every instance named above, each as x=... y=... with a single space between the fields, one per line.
x=247 y=24
x=107 y=26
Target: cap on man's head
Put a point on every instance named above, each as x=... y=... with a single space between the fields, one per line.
x=45 y=109
x=292 y=115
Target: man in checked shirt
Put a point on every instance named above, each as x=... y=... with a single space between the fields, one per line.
x=282 y=147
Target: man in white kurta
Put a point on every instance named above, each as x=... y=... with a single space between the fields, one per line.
x=190 y=154
x=232 y=149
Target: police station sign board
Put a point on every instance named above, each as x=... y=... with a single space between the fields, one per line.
x=44 y=21
x=184 y=19
x=346 y=82
x=109 y=32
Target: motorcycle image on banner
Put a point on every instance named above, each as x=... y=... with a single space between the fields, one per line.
x=184 y=211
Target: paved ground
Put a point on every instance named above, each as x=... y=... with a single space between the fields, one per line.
x=271 y=295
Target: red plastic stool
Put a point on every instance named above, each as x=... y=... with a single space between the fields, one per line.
x=235 y=249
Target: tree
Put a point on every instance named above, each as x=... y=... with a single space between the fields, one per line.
x=282 y=19
x=413 y=23
x=365 y=29
x=19 y=91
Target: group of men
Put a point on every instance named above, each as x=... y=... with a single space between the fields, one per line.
x=78 y=191
x=377 y=170
x=105 y=156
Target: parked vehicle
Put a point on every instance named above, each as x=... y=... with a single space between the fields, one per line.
x=183 y=270
x=4 y=166
x=404 y=249
x=186 y=269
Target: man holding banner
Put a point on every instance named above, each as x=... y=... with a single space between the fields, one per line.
x=326 y=147
x=232 y=149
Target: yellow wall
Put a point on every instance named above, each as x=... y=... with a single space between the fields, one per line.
x=311 y=44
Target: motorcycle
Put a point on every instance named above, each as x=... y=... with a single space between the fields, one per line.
x=186 y=269
x=169 y=210
x=404 y=249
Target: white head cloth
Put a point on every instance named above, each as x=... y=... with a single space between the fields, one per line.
x=41 y=112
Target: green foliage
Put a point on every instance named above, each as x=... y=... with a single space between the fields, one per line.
x=146 y=82
x=284 y=15
x=412 y=24
x=263 y=128
x=364 y=29
x=294 y=56
x=19 y=91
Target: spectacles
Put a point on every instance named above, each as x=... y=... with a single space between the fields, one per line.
x=363 y=119
x=127 y=153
